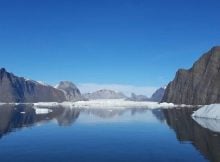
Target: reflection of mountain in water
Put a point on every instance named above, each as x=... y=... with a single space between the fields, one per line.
x=68 y=116
x=15 y=117
x=110 y=113
x=11 y=117
x=186 y=129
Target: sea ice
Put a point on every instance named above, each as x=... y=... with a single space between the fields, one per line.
x=109 y=103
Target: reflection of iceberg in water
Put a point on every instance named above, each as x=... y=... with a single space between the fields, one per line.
x=187 y=130
x=211 y=124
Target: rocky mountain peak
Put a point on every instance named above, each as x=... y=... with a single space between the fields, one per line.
x=158 y=94
x=104 y=94
x=66 y=84
x=72 y=93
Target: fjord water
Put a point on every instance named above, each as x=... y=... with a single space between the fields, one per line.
x=100 y=135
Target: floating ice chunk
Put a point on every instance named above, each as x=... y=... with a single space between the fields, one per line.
x=42 y=111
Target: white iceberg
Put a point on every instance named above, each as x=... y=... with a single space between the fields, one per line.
x=208 y=111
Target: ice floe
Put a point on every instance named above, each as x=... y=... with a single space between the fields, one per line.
x=42 y=111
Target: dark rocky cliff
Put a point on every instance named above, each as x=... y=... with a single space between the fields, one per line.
x=199 y=85
x=18 y=89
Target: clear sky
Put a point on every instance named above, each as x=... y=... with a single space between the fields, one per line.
x=122 y=42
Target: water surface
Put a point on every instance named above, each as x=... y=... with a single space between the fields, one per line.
x=99 y=135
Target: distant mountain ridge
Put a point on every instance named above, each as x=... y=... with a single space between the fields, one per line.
x=135 y=97
x=104 y=94
x=200 y=85
x=156 y=97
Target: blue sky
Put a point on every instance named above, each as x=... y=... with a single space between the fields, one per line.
x=125 y=42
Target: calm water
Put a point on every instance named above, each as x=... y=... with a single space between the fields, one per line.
x=130 y=135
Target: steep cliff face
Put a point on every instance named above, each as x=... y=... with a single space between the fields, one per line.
x=18 y=89
x=199 y=85
x=71 y=92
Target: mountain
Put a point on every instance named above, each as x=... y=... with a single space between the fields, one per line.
x=19 y=89
x=70 y=90
x=158 y=95
x=200 y=85
x=135 y=97
x=104 y=94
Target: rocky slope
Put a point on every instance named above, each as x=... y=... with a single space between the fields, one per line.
x=18 y=89
x=71 y=92
x=199 y=85
x=158 y=95
x=104 y=94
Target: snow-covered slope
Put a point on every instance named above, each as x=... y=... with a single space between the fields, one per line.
x=209 y=111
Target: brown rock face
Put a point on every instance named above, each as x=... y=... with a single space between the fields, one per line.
x=18 y=89
x=199 y=85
